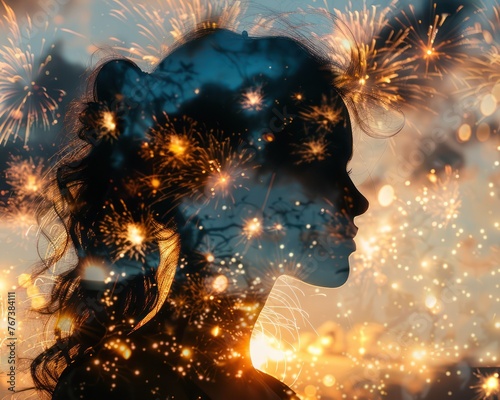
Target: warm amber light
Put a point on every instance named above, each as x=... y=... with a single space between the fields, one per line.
x=178 y=146
x=135 y=234
x=252 y=228
x=108 y=121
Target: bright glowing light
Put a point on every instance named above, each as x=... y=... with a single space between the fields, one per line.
x=464 y=133
x=215 y=331
x=418 y=354
x=155 y=183
x=264 y=349
x=268 y=137
x=130 y=235
x=488 y=105
x=329 y=380
x=220 y=283
x=135 y=234
x=178 y=146
x=119 y=347
x=125 y=351
x=253 y=99
x=252 y=228
x=315 y=350
x=490 y=385
x=298 y=96
x=386 y=195
x=430 y=301
x=108 y=121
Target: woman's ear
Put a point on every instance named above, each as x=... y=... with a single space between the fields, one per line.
x=116 y=80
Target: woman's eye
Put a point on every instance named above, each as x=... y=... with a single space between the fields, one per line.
x=349 y=172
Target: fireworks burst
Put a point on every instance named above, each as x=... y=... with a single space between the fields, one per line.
x=102 y=122
x=252 y=228
x=24 y=101
x=326 y=115
x=217 y=167
x=253 y=99
x=440 y=44
x=20 y=217
x=374 y=67
x=488 y=387
x=131 y=236
x=173 y=146
x=162 y=23
x=26 y=177
x=312 y=150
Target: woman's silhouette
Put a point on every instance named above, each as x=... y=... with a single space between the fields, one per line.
x=195 y=187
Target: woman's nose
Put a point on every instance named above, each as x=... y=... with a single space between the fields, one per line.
x=357 y=204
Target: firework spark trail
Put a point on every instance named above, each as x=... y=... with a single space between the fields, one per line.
x=27 y=181
x=440 y=46
x=163 y=23
x=276 y=337
x=24 y=102
x=25 y=177
x=375 y=64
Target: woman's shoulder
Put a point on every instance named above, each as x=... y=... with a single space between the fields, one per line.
x=278 y=387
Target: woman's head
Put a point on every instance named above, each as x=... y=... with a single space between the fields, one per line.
x=238 y=144
x=223 y=169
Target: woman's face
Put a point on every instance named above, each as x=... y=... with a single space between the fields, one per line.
x=256 y=219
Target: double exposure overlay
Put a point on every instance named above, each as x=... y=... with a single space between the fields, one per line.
x=223 y=199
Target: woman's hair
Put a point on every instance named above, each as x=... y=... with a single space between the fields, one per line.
x=144 y=142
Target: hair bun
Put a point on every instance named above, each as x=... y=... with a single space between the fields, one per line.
x=118 y=80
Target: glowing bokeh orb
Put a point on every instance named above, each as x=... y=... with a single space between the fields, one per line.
x=329 y=380
x=483 y=132
x=430 y=301
x=220 y=283
x=464 y=133
x=386 y=195
x=488 y=105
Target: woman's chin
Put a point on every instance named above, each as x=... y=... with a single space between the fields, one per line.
x=328 y=276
